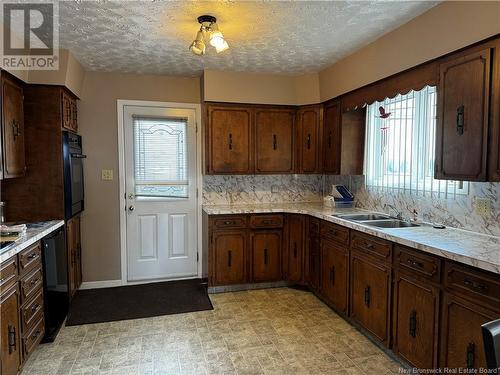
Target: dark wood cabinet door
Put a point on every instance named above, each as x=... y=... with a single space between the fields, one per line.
x=370 y=296
x=14 y=160
x=335 y=275
x=494 y=145
x=462 y=117
x=309 y=130
x=266 y=255
x=462 y=340
x=274 y=130
x=10 y=349
x=229 y=140
x=416 y=314
x=295 y=248
x=331 y=137
x=229 y=249
x=314 y=269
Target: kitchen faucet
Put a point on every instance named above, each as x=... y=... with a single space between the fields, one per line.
x=399 y=214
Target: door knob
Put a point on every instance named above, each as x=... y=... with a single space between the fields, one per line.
x=131 y=208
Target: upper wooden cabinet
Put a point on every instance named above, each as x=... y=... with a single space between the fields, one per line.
x=69 y=112
x=463 y=116
x=274 y=130
x=229 y=140
x=331 y=137
x=13 y=156
x=309 y=125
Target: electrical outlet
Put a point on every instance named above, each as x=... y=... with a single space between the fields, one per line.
x=107 y=174
x=483 y=206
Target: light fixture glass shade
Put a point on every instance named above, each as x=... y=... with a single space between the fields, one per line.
x=221 y=47
x=198 y=45
x=217 y=40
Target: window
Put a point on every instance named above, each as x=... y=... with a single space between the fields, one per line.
x=400 y=139
x=160 y=157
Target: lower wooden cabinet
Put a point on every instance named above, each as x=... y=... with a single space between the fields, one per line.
x=335 y=275
x=295 y=254
x=416 y=321
x=462 y=340
x=371 y=296
x=10 y=330
x=266 y=255
x=229 y=253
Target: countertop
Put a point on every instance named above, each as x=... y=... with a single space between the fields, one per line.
x=35 y=232
x=474 y=249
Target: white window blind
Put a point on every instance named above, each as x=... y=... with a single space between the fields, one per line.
x=160 y=157
x=400 y=137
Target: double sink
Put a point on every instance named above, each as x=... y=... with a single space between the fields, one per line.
x=378 y=220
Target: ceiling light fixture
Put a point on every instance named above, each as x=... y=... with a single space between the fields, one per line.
x=208 y=30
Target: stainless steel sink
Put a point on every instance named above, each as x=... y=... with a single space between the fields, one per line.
x=364 y=217
x=390 y=223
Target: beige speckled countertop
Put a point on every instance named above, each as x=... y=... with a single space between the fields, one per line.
x=474 y=249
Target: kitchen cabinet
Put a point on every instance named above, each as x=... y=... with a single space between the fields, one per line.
x=229 y=254
x=13 y=148
x=295 y=255
x=371 y=295
x=331 y=137
x=309 y=135
x=10 y=329
x=463 y=116
x=74 y=249
x=229 y=140
x=69 y=111
x=274 y=140
x=266 y=255
x=335 y=275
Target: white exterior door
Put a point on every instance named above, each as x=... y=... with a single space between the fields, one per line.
x=160 y=184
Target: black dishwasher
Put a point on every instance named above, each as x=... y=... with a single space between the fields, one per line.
x=55 y=283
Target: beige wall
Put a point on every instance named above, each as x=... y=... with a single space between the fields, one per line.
x=448 y=26
x=98 y=127
x=241 y=87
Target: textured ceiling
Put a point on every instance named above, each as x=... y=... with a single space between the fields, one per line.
x=264 y=36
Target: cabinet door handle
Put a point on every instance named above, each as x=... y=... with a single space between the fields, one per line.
x=330 y=139
x=332 y=275
x=230 y=141
x=16 y=129
x=460 y=119
x=367 y=296
x=308 y=141
x=413 y=324
x=229 y=258
x=265 y=256
x=12 y=338
x=471 y=353
x=474 y=285
x=275 y=142
x=295 y=250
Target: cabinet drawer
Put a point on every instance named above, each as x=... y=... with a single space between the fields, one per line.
x=473 y=284
x=8 y=273
x=313 y=226
x=266 y=221
x=373 y=246
x=30 y=258
x=418 y=263
x=229 y=222
x=335 y=232
x=30 y=284
x=33 y=338
x=31 y=312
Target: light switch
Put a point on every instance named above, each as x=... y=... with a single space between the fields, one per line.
x=107 y=174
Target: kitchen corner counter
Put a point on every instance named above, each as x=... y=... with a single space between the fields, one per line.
x=474 y=249
x=35 y=232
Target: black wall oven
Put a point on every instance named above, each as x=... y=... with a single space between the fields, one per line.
x=73 y=174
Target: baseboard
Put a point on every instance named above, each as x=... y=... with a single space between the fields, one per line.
x=100 y=284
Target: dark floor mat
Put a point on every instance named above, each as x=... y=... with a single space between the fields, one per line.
x=138 y=301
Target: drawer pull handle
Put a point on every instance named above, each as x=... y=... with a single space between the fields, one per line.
x=415 y=263
x=32 y=256
x=367 y=296
x=295 y=250
x=471 y=353
x=474 y=285
x=2 y=280
x=35 y=307
x=229 y=258
x=12 y=338
x=228 y=222
x=413 y=324
x=265 y=256
x=369 y=245
x=35 y=335
x=332 y=275
x=267 y=222
x=34 y=282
